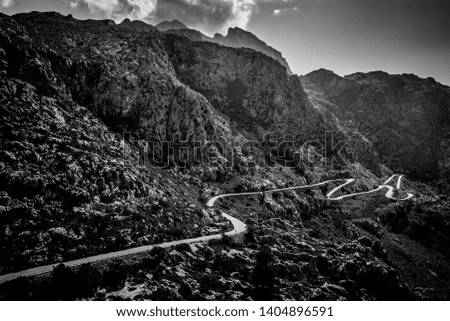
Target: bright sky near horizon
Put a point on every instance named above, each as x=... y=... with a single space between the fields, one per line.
x=346 y=36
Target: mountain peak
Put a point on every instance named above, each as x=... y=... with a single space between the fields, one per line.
x=240 y=38
x=235 y=38
x=237 y=29
x=137 y=25
x=171 y=25
x=236 y=32
x=322 y=72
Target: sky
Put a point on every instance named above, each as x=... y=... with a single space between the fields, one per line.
x=345 y=36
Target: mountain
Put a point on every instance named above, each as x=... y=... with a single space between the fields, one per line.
x=156 y=87
x=137 y=25
x=72 y=186
x=192 y=34
x=406 y=118
x=238 y=38
x=170 y=25
x=178 y=28
x=115 y=136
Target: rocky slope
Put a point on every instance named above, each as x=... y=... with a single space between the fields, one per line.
x=72 y=187
x=405 y=117
x=68 y=192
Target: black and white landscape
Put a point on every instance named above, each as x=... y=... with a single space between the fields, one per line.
x=143 y=162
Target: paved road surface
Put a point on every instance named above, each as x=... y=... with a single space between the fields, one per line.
x=389 y=193
x=238 y=227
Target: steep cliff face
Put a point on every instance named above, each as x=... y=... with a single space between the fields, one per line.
x=258 y=97
x=238 y=38
x=406 y=117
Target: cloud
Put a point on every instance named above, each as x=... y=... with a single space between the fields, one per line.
x=207 y=15
x=117 y=9
x=278 y=12
x=210 y=16
x=7 y=3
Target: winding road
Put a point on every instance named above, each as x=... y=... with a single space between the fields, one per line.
x=238 y=226
x=389 y=192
